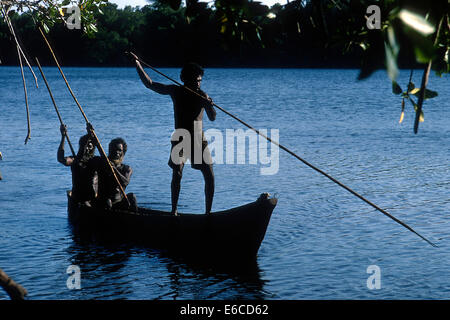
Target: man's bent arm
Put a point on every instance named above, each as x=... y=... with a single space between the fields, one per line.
x=149 y=83
x=67 y=161
x=125 y=178
x=210 y=111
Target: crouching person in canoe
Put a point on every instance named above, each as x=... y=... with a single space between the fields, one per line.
x=84 y=178
x=109 y=193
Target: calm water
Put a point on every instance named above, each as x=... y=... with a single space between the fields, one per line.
x=321 y=239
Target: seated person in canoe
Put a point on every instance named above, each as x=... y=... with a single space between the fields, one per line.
x=84 y=178
x=109 y=193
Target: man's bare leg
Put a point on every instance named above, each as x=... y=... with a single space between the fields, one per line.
x=175 y=188
x=208 y=175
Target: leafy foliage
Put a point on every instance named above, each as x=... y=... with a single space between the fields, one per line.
x=301 y=33
x=407 y=95
x=50 y=12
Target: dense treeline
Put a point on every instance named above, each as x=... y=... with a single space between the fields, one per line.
x=244 y=33
x=253 y=35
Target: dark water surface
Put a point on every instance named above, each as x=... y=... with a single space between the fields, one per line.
x=321 y=239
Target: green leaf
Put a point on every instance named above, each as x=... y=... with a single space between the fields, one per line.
x=391 y=62
x=414 y=91
x=93 y=27
x=396 y=89
x=402 y=114
x=421 y=117
x=391 y=49
x=46 y=29
x=416 y=21
x=423 y=46
x=421 y=55
x=393 y=41
x=411 y=86
x=429 y=94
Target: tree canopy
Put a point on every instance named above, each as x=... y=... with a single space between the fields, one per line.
x=308 y=33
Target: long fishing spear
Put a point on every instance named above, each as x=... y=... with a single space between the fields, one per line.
x=20 y=54
x=1 y=158
x=54 y=104
x=293 y=154
x=17 y=41
x=26 y=96
x=100 y=148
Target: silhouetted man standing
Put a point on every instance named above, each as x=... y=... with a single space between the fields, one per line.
x=188 y=114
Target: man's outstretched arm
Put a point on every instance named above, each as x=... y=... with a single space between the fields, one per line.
x=147 y=81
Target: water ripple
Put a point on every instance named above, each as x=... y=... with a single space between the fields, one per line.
x=321 y=239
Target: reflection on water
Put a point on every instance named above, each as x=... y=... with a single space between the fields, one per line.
x=320 y=239
x=200 y=279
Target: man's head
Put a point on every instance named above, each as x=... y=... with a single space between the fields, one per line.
x=86 y=148
x=116 y=150
x=192 y=75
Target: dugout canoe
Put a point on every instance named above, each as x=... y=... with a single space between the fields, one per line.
x=236 y=233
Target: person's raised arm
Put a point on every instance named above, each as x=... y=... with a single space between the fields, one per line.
x=147 y=81
x=67 y=161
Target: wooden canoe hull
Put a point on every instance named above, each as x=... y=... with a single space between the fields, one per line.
x=235 y=233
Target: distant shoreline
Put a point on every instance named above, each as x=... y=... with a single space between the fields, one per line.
x=417 y=67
